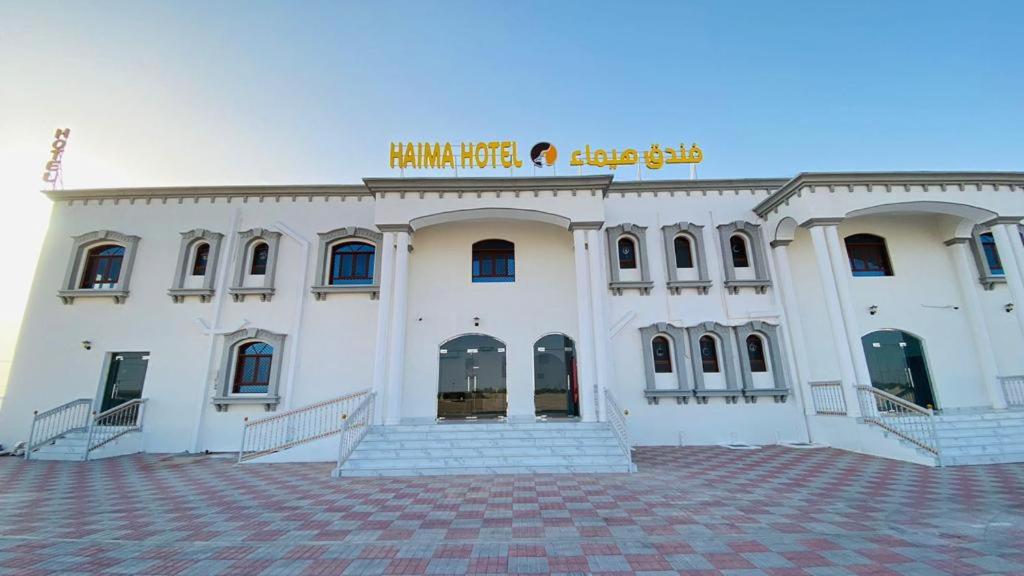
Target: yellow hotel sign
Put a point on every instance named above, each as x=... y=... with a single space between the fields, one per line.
x=505 y=154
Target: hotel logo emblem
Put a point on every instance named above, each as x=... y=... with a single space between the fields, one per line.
x=543 y=154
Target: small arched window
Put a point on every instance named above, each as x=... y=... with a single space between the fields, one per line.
x=494 y=261
x=738 y=247
x=102 y=267
x=708 y=354
x=352 y=263
x=988 y=246
x=252 y=369
x=684 y=255
x=868 y=255
x=627 y=254
x=662 y=354
x=755 y=353
x=260 y=255
x=200 y=259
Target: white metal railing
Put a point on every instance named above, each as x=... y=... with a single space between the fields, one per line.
x=110 y=425
x=293 y=427
x=905 y=419
x=828 y=398
x=47 y=426
x=617 y=419
x=1013 y=391
x=354 y=427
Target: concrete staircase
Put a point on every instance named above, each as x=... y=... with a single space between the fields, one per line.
x=981 y=437
x=72 y=445
x=488 y=448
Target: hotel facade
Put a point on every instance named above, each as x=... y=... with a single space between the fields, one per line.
x=451 y=325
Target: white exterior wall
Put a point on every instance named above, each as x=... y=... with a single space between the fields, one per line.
x=334 y=353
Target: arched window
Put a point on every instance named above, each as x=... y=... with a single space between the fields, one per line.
x=738 y=247
x=627 y=254
x=755 y=353
x=708 y=354
x=988 y=245
x=684 y=256
x=868 y=255
x=260 y=255
x=199 y=260
x=352 y=263
x=252 y=369
x=102 y=267
x=662 y=354
x=494 y=261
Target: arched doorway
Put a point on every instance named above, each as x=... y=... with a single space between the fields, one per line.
x=897 y=365
x=471 y=381
x=556 y=392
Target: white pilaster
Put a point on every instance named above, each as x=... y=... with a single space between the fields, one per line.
x=780 y=250
x=380 y=358
x=598 y=288
x=585 y=337
x=396 y=348
x=835 y=317
x=1013 y=273
x=1017 y=241
x=976 y=317
x=841 y=270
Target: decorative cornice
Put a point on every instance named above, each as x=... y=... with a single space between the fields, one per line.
x=585 y=226
x=893 y=178
x=812 y=222
x=699 y=185
x=1011 y=220
x=395 y=228
x=780 y=243
x=955 y=241
x=382 y=185
x=212 y=192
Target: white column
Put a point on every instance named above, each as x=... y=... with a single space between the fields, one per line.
x=1013 y=273
x=1017 y=241
x=797 y=343
x=835 y=317
x=841 y=270
x=976 y=317
x=598 y=288
x=585 y=337
x=396 y=356
x=380 y=351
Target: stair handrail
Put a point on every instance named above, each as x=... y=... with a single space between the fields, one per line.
x=1013 y=390
x=115 y=422
x=617 y=419
x=51 y=424
x=290 y=428
x=354 y=427
x=913 y=423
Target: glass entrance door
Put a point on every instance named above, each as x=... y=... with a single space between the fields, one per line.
x=125 y=378
x=471 y=381
x=555 y=389
x=897 y=366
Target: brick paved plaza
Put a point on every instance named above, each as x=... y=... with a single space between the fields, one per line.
x=692 y=510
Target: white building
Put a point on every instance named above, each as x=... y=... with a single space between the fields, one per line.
x=696 y=312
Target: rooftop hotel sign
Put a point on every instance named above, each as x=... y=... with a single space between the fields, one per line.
x=505 y=154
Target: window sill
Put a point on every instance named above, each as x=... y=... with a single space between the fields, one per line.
x=68 y=296
x=731 y=395
x=681 y=396
x=178 y=295
x=322 y=291
x=752 y=394
x=239 y=293
x=759 y=286
x=269 y=402
x=677 y=286
x=618 y=287
x=989 y=282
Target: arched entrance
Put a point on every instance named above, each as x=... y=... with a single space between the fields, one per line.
x=555 y=389
x=471 y=381
x=897 y=365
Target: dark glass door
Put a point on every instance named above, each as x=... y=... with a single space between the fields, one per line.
x=471 y=381
x=555 y=389
x=897 y=365
x=125 y=378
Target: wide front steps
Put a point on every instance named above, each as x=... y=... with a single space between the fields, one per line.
x=72 y=445
x=988 y=437
x=487 y=448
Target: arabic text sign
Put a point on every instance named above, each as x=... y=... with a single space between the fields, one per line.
x=505 y=154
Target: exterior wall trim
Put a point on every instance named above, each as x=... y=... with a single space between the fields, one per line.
x=678 y=337
x=79 y=250
x=232 y=341
x=985 y=276
x=639 y=233
x=724 y=334
x=178 y=291
x=320 y=287
x=246 y=239
x=770 y=334
x=696 y=234
x=755 y=243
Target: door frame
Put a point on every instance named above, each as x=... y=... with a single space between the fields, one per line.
x=108 y=361
x=924 y=352
x=573 y=370
x=437 y=374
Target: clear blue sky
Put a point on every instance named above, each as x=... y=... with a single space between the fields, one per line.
x=165 y=93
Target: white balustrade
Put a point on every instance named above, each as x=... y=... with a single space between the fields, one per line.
x=1013 y=391
x=900 y=417
x=828 y=398
x=50 y=425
